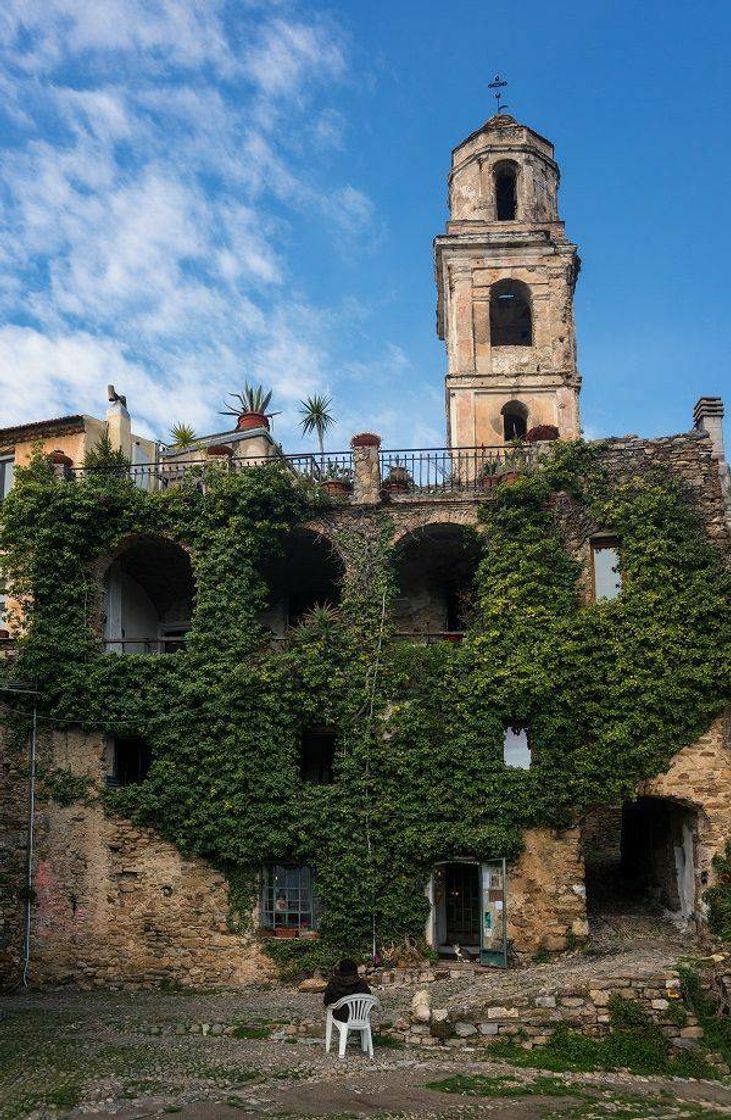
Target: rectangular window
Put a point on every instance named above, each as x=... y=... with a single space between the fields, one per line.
x=7 y=468
x=318 y=756
x=605 y=557
x=516 y=748
x=287 y=898
x=132 y=760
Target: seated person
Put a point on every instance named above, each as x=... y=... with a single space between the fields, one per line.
x=344 y=981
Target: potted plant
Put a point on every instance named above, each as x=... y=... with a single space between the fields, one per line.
x=251 y=411
x=337 y=480
x=540 y=433
x=489 y=474
x=365 y=439
x=398 y=480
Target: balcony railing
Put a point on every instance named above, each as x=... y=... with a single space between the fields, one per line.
x=144 y=645
x=407 y=471
x=445 y=470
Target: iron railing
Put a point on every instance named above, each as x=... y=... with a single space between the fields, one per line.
x=441 y=470
x=171 y=472
x=421 y=470
x=429 y=637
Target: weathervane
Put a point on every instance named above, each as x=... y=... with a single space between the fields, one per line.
x=498 y=84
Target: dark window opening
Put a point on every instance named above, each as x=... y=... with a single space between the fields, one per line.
x=318 y=756
x=511 y=321
x=515 y=420
x=506 y=197
x=132 y=761
x=435 y=571
x=307 y=578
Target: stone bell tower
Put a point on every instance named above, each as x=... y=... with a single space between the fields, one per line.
x=505 y=290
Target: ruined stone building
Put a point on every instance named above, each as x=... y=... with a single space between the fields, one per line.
x=108 y=898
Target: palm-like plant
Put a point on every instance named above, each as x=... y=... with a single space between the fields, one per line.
x=183 y=437
x=316 y=418
x=253 y=399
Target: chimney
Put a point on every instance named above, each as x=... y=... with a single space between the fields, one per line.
x=708 y=417
x=119 y=427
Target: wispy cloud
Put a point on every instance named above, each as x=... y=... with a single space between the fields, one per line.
x=150 y=192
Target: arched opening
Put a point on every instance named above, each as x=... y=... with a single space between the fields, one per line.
x=515 y=420
x=148 y=598
x=310 y=575
x=640 y=859
x=435 y=571
x=511 y=320
x=506 y=191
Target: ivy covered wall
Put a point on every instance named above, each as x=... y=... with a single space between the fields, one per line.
x=610 y=690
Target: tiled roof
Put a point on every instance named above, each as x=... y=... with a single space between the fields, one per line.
x=20 y=432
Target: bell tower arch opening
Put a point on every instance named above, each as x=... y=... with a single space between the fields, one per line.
x=505 y=174
x=511 y=317
x=515 y=420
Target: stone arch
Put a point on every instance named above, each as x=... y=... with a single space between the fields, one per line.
x=511 y=314
x=515 y=420
x=309 y=574
x=147 y=595
x=644 y=854
x=435 y=566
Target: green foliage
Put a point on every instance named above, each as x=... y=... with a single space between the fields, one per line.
x=64 y=787
x=716 y=1026
x=103 y=457
x=184 y=436
x=718 y=896
x=610 y=690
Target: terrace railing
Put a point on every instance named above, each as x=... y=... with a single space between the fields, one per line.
x=422 y=470
x=444 y=470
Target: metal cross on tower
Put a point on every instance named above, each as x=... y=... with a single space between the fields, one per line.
x=498 y=84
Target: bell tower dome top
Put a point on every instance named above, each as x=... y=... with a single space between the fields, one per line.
x=503 y=149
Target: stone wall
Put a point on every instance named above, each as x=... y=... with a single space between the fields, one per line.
x=114 y=903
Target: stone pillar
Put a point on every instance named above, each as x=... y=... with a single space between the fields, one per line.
x=366 y=468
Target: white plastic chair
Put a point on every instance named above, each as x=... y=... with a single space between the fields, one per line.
x=359 y=1019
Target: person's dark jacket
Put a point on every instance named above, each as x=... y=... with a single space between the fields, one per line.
x=340 y=985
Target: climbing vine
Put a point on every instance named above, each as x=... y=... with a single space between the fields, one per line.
x=610 y=690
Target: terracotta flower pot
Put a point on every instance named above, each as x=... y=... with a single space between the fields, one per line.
x=541 y=432
x=487 y=481
x=249 y=420
x=286 y=933
x=508 y=476
x=336 y=487
x=60 y=457
x=365 y=439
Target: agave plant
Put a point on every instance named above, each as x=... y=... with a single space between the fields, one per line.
x=183 y=437
x=253 y=399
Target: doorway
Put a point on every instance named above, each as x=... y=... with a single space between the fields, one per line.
x=457 y=909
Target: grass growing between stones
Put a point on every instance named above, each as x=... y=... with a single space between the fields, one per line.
x=634 y=1042
x=476 y=1085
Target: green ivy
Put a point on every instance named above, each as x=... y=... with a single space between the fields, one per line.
x=610 y=690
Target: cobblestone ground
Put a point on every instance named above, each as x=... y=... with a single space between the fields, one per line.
x=125 y=1054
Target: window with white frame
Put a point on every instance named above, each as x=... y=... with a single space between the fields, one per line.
x=605 y=560
x=516 y=748
x=288 y=898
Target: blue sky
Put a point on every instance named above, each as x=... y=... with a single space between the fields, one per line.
x=197 y=191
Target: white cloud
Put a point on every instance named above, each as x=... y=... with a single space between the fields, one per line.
x=150 y=207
